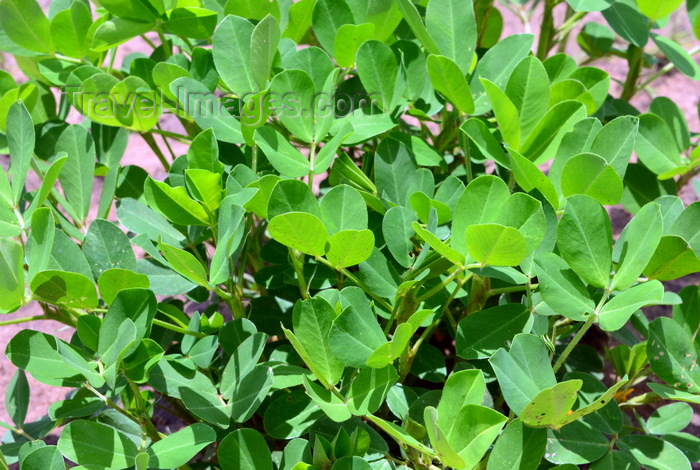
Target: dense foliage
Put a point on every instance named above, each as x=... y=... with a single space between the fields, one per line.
x=359 y=262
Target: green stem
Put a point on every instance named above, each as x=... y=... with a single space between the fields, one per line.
x=254 y=163
x=299 y=270
x=667 y=68
x=16 y=321
x=636 y=59
x=164 y=42
x=312 y=159
x=582 y=331
x=547 y=30
x=183 y=138
x=177 y=329
x=440 y=286
x=387 y=306
x=508 y=290
x=154 y=146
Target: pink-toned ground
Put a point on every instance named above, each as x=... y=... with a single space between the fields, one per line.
x=679 y=88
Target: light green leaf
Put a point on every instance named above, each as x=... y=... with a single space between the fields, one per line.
x=284 y=156
x=350 y=247
x=656 y=10
x=452 y=25
x=20 y=134
x=301 y=231
x=174 y=203
x=449 y=80
x=232 y=55
x=64 y=288
x=506 y=114
x=369 y=389
x=637 y=245
x=496 y=245
x=671 y=354
x=25 y=24
x=185 y=263
x=313 y=319
x=355 y=335
x=348 y=39
x=551 y=406
x=670 y=418
x=584 y=238
x=528 y=90
x=378 y=71
x=589 y=174
x=561 y=288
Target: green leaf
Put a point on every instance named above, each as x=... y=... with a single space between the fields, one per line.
x=543 y=142
x=449 y=80
x=529 y=177
x=313 y=319
x=519 y=447
x=78 y=172
x=141 y=219
x=655 y=145
x=17 y=398
x=328 y=17
x=412 y=17
x=439 y=246
x=348 y=39
x=397 y=231
x=117 y=31
x=185 y=263
x=20 y=134
x=637 y=245
x=655 y=10
x=197 y=99
x=528 y=90
x=472 y=431
x=524 y=371
x=354 y=336
x=506 y=114
x=584 y=238
x=466 y=387
x=672 y=354
x=675 y=52
x=244 y=449
x=174 y=203
x=342 y=208
x=178 y=448
x=654 y=453
x=482 y=333
x=452 y=25
x=589 y=174
x=575 y=444
x=615 y=142
x=231 y=232
x=44 y=458
x=298 y=115
x=673 y=258
x=399 y=434
x=250 y=392
x=91 y=443
x=25 y=24
x=284 y=157
x=670 y=418
x=480 y=134
x=394 y=165
x=11 y=274
x=47 y=185
x=378 y=71
x=620 y=308
x=292 y=196
x=64 y=288
x=191 y=22
x=496 y=245
x=551 y=406
x=301 y=231
x=205 y=186
x=232 y=55
x=324 y=158
x=496 y=65
x=289 y=416
x=350 y=247
x=299 y=20
x=335 y=408
x=263 y=46
x=107 y=247
x=112 y=281
x=561 y=288
x=369 y=389
x=438 y=440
